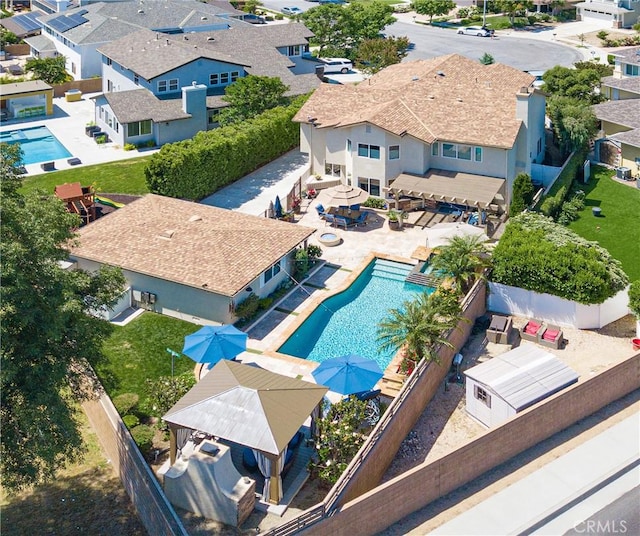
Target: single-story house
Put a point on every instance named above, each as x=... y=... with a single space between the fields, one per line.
x=190 y=260
x=26 y=99
x=449 y=115
x=509 y=383
x=619 y=140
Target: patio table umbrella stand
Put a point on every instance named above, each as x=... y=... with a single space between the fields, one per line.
x=348 y=374
x=210 y=344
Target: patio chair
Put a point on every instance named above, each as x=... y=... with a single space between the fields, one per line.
x=340 y=220
x=551 y=337
x=532 y=330
x=355 y=207
x=320 y=210
x=249 y=460
x=329 y=218
x=362 y=219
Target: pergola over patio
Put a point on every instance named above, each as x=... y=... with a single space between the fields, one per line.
x=449 y=186
x=249 y=406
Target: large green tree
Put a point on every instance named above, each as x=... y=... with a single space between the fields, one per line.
x=522 y=194
x=339 y=29
x=462 y=261
x=50 y=70
x=47 y=333
x=373 y=55
x=513 y=8
x=573 y=121
x=419 y=326
x=433 y=8
x=251 y=95
x=578 y=84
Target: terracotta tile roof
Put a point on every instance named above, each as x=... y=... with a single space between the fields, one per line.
x=448 y=98
x=188 y=243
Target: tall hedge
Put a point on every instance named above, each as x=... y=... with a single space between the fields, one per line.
x=537 y=254
x=193 y=169
x=552 y=202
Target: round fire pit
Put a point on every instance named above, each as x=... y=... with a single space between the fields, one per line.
x=329 y=239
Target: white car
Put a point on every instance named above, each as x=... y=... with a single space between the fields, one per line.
x=336 y=65
x=475 y=30
x=292 y=11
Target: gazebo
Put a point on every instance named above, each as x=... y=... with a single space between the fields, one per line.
x=249 y=406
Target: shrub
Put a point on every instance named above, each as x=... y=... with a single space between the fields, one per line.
x=602 y=35
x=463 y=12
x=246 y=309
x=195 y=168
x=551 y=205
x=562 y=186
x=265 y=303
x=634 y=298
x=301 y=263
x=537 y=254
x=375 y=202
x=165 y=391
x=522 y=196
x=143 y=436
x=130 y=421
x=611 y=59
x=315 y=252
x=126 y=402
x=129 y=147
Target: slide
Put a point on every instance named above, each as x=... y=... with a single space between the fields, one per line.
x=108 y=202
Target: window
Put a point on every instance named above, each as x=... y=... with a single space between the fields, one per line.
x=394 y=152
x=234 y=76
x=477 y=156
x=168 y=85
x=539 y=147
x=293 y=50
x=369 y=185
x=109 y=86
x=213 y=117
x=214 y=79
x=464 y=152
x=348 y=145
x=631 y=70
x=482 y=395
x=73 y=68
x=136 y=79
x=173 y=84
x=139 y=128
x=435 y=149
x=162 y=86
x=270 y=273
x=224 y=78
x=449 y=150
x=332 y=170
x=369 y=151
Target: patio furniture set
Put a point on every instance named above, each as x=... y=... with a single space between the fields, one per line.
x=343 y=216
x=535 y=331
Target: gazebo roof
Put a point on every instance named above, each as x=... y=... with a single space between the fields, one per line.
x=247 y=405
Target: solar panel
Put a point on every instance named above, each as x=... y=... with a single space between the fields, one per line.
x=27 y=21
x=59 y=24
x=76 y=19
x=82 y=12
x=64 y=23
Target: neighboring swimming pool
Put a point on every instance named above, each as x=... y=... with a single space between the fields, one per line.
x=347 y=323
x=37 y=144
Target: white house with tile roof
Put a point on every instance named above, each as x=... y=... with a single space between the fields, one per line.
x=190 y=260
x=448 y=117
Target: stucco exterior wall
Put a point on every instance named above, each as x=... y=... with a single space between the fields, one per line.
x=630 y=157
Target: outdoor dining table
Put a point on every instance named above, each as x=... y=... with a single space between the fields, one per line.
x=347 y=213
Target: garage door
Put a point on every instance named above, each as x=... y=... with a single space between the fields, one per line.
x=588 y=14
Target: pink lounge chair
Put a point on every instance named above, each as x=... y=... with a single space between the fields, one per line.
x=552 y=337
x=532 y=330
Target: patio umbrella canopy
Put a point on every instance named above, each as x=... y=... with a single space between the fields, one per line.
x=348 y=374
x=210 y=344
x=277 y=207
x=346 y=195
x=442 y=233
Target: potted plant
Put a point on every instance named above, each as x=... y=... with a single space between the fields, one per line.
x=394 y=220
x=295 y=204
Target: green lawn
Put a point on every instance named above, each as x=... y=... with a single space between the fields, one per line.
x=618 y=229
x=138 y=351
x=121 y=177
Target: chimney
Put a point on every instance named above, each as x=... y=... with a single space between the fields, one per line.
x=194 y=99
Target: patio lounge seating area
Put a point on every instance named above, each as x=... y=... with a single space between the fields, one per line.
x=532 y=330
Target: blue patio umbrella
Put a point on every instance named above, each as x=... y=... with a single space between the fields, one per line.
x=277 y=207
x=348 y=374
x=210 y=344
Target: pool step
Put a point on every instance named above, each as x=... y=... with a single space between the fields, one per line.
x=391 y=270
x=418 y=278
x=384 y=274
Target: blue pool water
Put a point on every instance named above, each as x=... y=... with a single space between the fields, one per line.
x=347 y=323
x=37 y=144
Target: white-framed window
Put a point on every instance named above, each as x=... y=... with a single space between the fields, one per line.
x=73 y=68
x=482 y=395
x=224 y=78
x=464 y=152
x=435 y=149
x=162 y=86
x=449 y=150
x=168 y=85
x=173 y=84
x=139 y=128
x=234 y=76
x=477 y=154
x=631 y=70
x=348 y=145
x=370 y=185
x=369 y=151
x=394 y=152
x=293 y=50
x=109 y=86
x=214 y=79
x=332 y=170
x=270 y=273
x=461 y=152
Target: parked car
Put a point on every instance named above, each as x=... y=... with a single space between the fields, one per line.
x=475 y=30
x=336 y=65
x=291 y=11
x=332 y=1
x=254 y=19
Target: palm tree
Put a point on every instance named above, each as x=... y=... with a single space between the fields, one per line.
x=419 y=325
x=462 y=261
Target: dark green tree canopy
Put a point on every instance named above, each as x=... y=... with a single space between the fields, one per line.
x=634 y=298
x=537 y=254
x=373 y=55
x=251 y=95
x=513 y=8
x=522 y=195
x=49 y=70
x=573 y=121
x=340 y=29
x=433 y=8
x=47 y=333
x=578 y=84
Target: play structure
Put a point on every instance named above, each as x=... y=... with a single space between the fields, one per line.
x=79 y=200
x=108 y=202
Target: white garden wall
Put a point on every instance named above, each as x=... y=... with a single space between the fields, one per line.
x=517 y=301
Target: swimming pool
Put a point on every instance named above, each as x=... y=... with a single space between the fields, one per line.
x=37 y=144
x=347 y=323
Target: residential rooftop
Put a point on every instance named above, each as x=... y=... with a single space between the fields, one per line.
x=628 y=55
x=189 y=243
x=445 y=98
x=631 y=84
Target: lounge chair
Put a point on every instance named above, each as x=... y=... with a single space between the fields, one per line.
x=551 y=337
x=532 y=330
